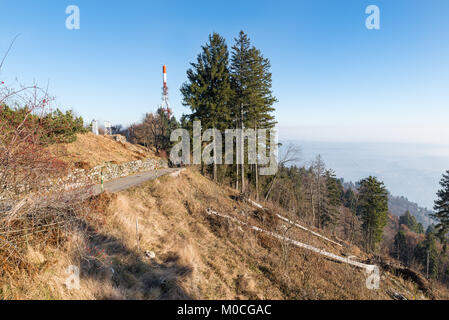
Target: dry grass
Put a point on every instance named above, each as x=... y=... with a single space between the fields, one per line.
x=197 y=256
x=90 y=150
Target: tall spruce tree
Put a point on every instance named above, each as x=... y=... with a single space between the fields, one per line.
x=208 y=89
x=319 y=190
x=373 y=209
x=427 y=251
x=240 y=66
x=442 y=210
x=350 y=200
x=330 y=213
x=253 y=99
x=400 y=246
x=411 y=222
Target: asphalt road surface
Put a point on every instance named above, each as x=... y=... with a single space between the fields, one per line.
x=131 y=181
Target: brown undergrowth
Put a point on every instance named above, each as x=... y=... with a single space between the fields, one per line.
x=156 y=241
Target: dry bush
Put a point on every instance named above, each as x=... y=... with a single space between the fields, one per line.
x=36 y=210
x=36 y=224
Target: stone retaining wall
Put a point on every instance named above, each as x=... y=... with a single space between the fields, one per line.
x=80 y=177
x=113 y=171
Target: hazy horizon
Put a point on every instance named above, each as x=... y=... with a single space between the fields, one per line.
x=359 y=89
x=332 y=76
x=407 y=169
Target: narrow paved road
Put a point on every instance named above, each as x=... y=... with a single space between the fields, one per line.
x=110 y=186
x=132 y=180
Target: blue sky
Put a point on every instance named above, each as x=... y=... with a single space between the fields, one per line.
x=336 y=81
x=331 y=75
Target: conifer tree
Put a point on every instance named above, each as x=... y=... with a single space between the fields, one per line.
x=410 y=221
x=208 y=89
x=373 y=209
x=430 y=229
x=442 y=210
x=253 y=100
x=350 y=200
x=330 y=213
x=318 y=192
x=427 y=249
x=400 y=246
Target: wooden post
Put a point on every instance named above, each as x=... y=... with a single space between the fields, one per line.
x=137 y=236
x=101 y=177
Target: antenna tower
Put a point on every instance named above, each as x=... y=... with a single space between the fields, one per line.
x=165 y=103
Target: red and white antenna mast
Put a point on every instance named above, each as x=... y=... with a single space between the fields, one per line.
x=165 y=104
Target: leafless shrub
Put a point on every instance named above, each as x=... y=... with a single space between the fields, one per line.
x=35 y=207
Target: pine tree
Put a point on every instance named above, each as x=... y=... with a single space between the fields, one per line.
x=400 y=246
x=430 y=229
x=373 y=209
x=442 y=210
x=253 y=99
x=410 y=221
x=167 y=125
x=350 y=200
x=428 y=249
x=318 y=190
x=239 y=68
x=208 y=89
x=330 y=213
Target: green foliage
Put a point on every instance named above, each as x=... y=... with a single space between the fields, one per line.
x=208 y=89
x=53 y=127
x=400 y=246
x=62 y=127
x=252 y=99
x=410 y=221
x=399 y=205
x=442 y=208
x=373 y=209
x=251 y=82
x=334 y=189
x=428 y=248
x=163 y=135
x=430 y=229
x=225 y=94
x=350 y=200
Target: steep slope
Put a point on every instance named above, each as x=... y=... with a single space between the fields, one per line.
x=180 y=251
x=90 y=150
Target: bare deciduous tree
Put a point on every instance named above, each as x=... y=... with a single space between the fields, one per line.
x=291 y=154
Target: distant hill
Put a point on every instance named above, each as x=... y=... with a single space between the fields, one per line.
x=399 y=205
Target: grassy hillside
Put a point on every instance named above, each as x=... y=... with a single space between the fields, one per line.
x=196 y=256
x=90 y=150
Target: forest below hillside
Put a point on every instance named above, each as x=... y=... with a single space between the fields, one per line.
x=400 y=204
x=232 y=88
x=225 y=90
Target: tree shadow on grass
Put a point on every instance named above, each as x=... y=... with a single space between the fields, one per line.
x=133 y=275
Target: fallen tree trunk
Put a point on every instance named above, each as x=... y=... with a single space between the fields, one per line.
x=295 y=224
x=368 y=267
